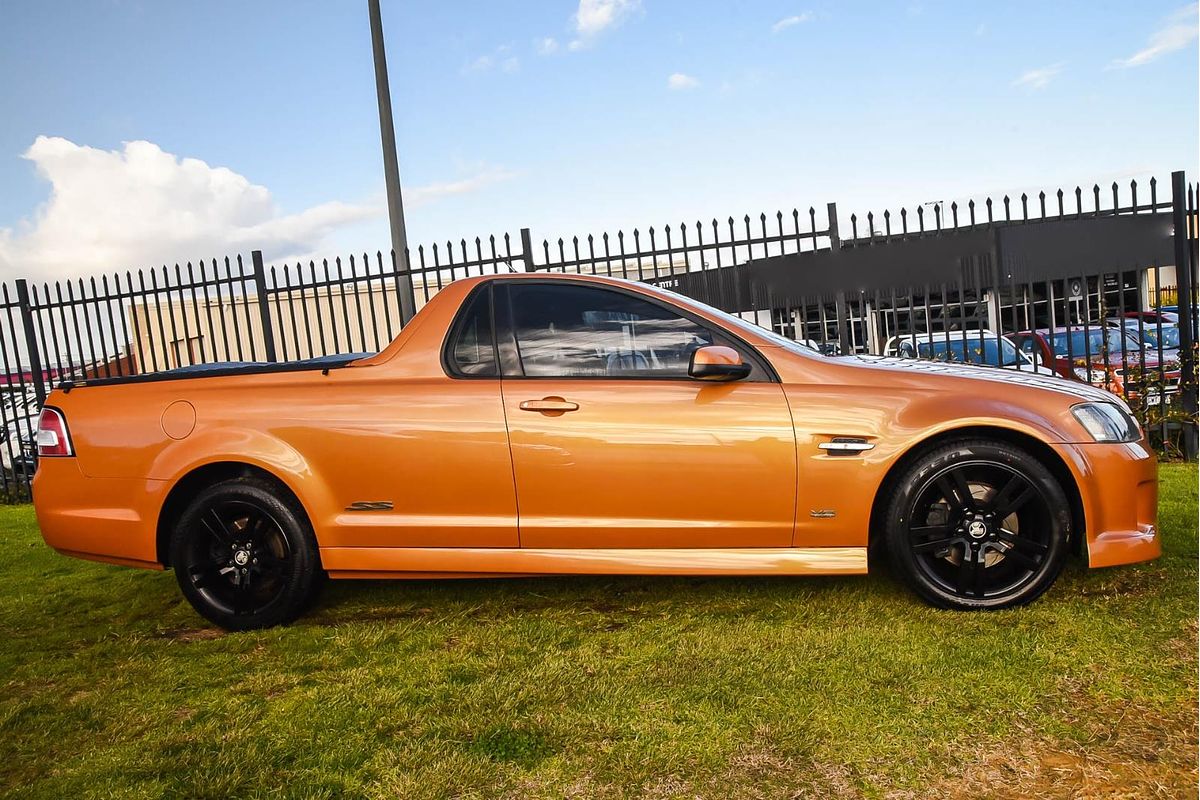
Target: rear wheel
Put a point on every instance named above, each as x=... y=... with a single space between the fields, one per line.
x=978 y=525
x=244 y=558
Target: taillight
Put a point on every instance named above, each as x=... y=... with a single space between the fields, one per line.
x=52 y=436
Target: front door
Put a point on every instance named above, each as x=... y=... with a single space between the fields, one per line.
x=614 y=446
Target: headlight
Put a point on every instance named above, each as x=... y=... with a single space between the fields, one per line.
x=1093 y=376
x=1107 y=422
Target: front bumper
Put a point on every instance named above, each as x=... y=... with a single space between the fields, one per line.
x=1118 y=490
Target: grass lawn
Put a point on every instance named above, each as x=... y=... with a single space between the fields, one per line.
x=602 y=687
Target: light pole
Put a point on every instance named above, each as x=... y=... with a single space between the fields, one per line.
x=391 y=168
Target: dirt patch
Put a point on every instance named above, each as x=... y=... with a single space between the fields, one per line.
x=1139 y=755
x=1123 y=583
x=192 y=634
x=1183 y=648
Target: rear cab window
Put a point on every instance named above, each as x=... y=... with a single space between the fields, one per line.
x=470 y=350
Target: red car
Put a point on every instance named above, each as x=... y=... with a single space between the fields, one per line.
x=1104 y=356
x=1154 y=317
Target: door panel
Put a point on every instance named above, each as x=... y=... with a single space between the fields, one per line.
x=652 y=464
x=614 y=446
x=436 y=450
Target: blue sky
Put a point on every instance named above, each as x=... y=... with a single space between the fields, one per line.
x=774 y=104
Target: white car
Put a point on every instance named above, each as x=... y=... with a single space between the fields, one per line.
x=979 y=346
x=18 y=422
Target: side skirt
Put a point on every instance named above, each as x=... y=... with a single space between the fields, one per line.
x=466 y=562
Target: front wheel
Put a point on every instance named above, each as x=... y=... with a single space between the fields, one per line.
x=978 y=525
x=245 y=558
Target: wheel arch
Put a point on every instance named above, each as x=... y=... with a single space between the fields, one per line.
x=204 y=476
x=1027 y=442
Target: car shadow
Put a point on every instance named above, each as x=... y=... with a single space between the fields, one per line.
x=346 y=601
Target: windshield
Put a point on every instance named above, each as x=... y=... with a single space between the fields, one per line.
x=1170 y=337
x=972 y=350
x=745 y=326
x=1094 y=342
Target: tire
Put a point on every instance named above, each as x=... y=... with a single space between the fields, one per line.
x=978 y=524
x=245 y=557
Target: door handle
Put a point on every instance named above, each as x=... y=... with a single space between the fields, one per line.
x=549 y=405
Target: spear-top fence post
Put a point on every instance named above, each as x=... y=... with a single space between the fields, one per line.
x=835 y=241
x=1184 y=281
x=843 y=322
x=37 y=376
x=264 y=305
x=527 y=249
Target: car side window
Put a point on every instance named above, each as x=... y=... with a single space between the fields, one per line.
x=471 y=351
x=582 y=331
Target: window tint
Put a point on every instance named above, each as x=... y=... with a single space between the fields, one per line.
x=1095 y=341
x=578 y=331
x=980 y=349
x=471 y=352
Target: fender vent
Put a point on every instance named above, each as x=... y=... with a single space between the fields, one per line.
x=846 y=446
x=370 y=505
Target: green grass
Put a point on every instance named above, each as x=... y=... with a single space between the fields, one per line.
x=601 y=687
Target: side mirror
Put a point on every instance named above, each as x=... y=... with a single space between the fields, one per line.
x=717 y=363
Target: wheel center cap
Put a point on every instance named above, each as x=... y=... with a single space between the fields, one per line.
x=977 y=529
x=241 y=557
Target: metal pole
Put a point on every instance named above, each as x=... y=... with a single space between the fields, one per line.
x=391 y=168
x=37 y=374
x=264 y=305
x=1184 y=280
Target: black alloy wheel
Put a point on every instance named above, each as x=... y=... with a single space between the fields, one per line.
x=243 y=557
x=978 y=525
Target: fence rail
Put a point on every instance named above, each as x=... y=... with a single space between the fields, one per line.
x=970 y=216
x=234 y=309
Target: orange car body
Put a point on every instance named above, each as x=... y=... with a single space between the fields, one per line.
x=406 y=471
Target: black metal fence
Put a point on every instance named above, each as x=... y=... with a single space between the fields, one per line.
x=224 y=310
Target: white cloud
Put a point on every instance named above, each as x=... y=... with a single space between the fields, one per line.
x=481 y=64
x=1039 y=78
x=547 y=46
x=1177 y=32
x=140 y=206
x=679 y=81
x=486 y=176
x=788 y=22
x=501 y=58
x=593 y=17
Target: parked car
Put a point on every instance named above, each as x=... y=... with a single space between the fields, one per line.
x=978 y=346
x=1104 y=356
x=532 y=424
x=824 y=348
x=1160 y=339
x=1168 y=314
x=1153 y=316
x=18 y=421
